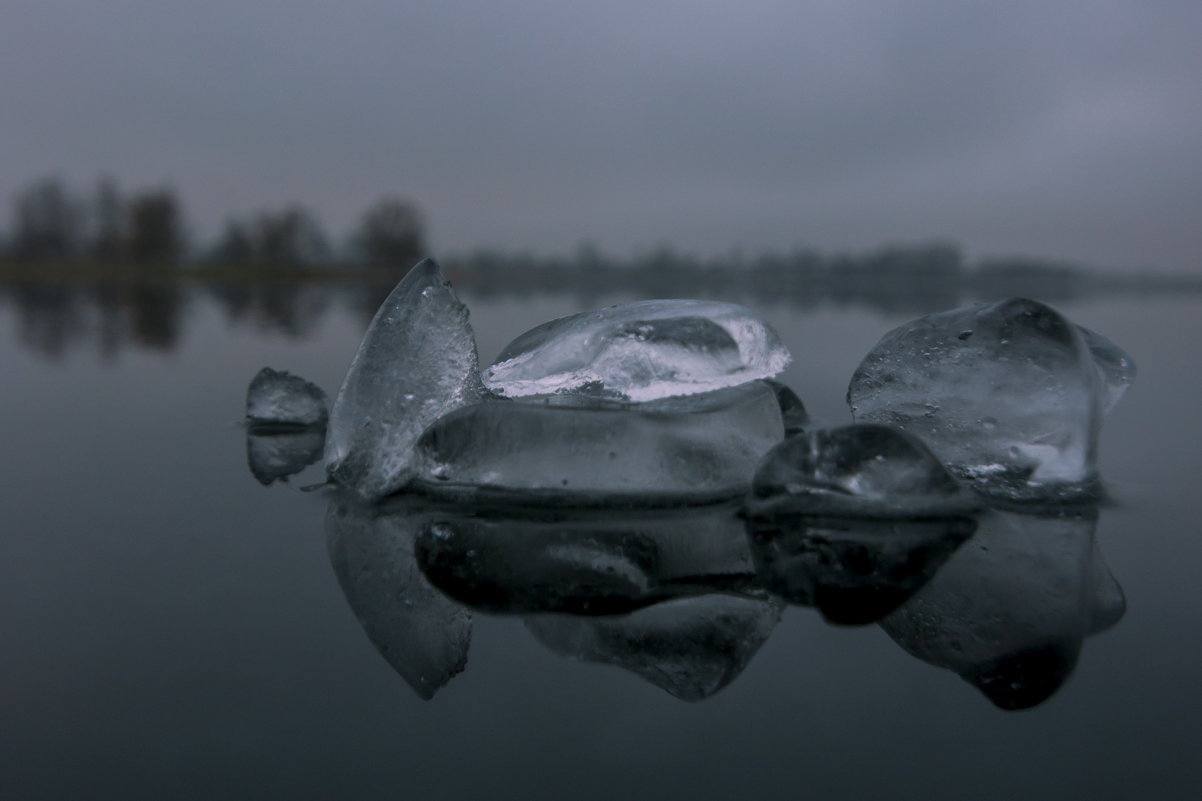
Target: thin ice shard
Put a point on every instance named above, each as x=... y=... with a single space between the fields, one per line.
x=640 y=351
x=417 y=362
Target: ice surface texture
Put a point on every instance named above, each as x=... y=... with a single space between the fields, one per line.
x=640 y=351
x=276 y=398
x=1008 y=395
x=856 y=471
x=689 y=647
x=1010 y=609
x=423 y=634
x=417 y=362
x=694 y=448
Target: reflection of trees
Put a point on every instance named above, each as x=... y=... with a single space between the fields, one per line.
x=292 y=309
x=49 y=317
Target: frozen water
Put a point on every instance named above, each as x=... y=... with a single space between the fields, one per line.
x=276 y=398
x=423 y=634
x=417 y=362
x=697 y=447
x=584 y=563
x=689 y=647
x=1008 y=395
x=640 y=351
x=792 y=410
x=276 y=455
x=1010 y=609
x=853 y=571
x=857 y=471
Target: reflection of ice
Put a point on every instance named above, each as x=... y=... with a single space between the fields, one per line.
x=1010 y=609
x=417 y=362
x=694 y=447
x=640 y=351
x=582 y=562
x=853 y=571
x=857 y=471
x=276 y=455
x=279 y=398
x=689 y=647
x=423 y=634
x=1009 y=395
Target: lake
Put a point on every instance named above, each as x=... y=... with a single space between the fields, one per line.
x=174 y=629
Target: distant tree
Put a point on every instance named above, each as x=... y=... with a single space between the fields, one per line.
x=291 y=237
x=235 y=245
x=391 y=233
x=154 y=228
x=107 y=240
x=47 y=223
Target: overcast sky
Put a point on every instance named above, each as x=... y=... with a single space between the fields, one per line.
x=1059 y=129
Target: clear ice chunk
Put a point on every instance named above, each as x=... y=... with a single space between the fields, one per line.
x=275 y=455
x=1010 y=609
x=856 y=471
x=689 y=647
x=1008 y=395
x=693 y=448
x=417 y=362
x=582 y=562
x=640 y=351
x=277 y=398
x=422 y=634
x=792 y=410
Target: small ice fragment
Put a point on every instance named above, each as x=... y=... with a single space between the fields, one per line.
x=277 y=398
x=856 y=471
x=699 y=447
x=417 y=362
x=688 y=647
x=1015 y=408
x=640 y=351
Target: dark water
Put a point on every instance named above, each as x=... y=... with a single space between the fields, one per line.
x=172 y=629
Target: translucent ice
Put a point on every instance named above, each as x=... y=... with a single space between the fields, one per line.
x=640 y=351
x=1008 y=395
x=792 y=410
x=423 y=634
x=1010 y=609
x=276 y=398
x=582 y=562
x=689 y=647
x=690 y=448
x=857 y=471
x=417 y=362
x=275 y=455
x=854 y=571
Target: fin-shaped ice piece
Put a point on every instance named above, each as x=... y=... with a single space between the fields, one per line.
x=417 y=362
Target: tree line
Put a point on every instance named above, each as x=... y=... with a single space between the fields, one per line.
x=51 y=222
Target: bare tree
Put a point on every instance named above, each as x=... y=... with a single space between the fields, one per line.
x=391 y=233
x=47 y=223
x=155 y=229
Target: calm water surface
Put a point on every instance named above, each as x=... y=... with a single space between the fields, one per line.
x=175 y=630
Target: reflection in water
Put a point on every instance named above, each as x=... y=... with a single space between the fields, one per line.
x=1009 y=611
x=684 y=598
x=274 y=455
x=423 y=634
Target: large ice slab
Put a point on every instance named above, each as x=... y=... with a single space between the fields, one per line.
x=640 y=351
x=691 y=448
x=1011 y=608
x=422 y=634
x=857 y=471
x=1008 y=395
x=417 y=362
x=689 y=647
x=279 y=399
